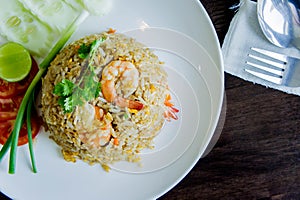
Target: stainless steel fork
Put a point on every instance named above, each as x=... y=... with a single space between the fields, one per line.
x=274 y=67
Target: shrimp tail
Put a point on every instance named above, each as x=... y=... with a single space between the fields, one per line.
x=126 y=103
x=136 y=105
x=171 y=111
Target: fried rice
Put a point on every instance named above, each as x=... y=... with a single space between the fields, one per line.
x=130 y=130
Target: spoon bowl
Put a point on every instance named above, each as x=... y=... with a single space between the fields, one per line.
x=280 y=21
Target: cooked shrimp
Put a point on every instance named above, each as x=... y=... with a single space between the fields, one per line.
x=171 y=110
x=94 y=128
x=97 y=138
x=119 y=81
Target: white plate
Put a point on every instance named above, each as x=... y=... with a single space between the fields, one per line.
x=58 y=179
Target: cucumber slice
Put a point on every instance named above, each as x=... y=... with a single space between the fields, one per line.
x=94 y=7
x=19 y=25
x=55 y=13
x=76 y=4
x=97 y=7
x=37 y=24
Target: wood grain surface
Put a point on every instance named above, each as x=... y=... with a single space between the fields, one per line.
x=258 y=153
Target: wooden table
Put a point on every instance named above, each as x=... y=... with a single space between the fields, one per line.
x=258 y=153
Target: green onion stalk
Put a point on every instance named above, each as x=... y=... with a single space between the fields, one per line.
x=26 y=104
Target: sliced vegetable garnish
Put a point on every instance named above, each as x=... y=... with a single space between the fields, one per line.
x=20 y=25
x=97 y=7
x=7 y=89
x=31 y=132
x=7 y=126
x=76 y=4
x=23 y=23
x=15 y=62
x=9 y=109
x=52 y=11
x=12 y=141
x=7 y=105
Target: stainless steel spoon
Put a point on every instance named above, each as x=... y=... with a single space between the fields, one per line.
x=280 y=21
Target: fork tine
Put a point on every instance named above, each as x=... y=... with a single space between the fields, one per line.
x=273 y=79
x=268 y=69
x=273 y=63
x=271 y=54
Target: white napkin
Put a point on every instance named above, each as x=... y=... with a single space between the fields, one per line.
x=244 y=32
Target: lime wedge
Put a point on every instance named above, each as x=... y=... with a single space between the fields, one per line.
x=15 y=62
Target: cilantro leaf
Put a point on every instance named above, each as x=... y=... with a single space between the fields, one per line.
x=84 y=50
x=61 y=101
x=64 y=88
x=68 y=104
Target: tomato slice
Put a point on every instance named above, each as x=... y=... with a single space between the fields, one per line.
x=7 y=104
x=22 y=85
x=11 y=95
x=7 y=89
x=11 y=104
x=35 y=128
x=9 y=107
x=7 y=115
x=7 y=126
x=5 y=130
